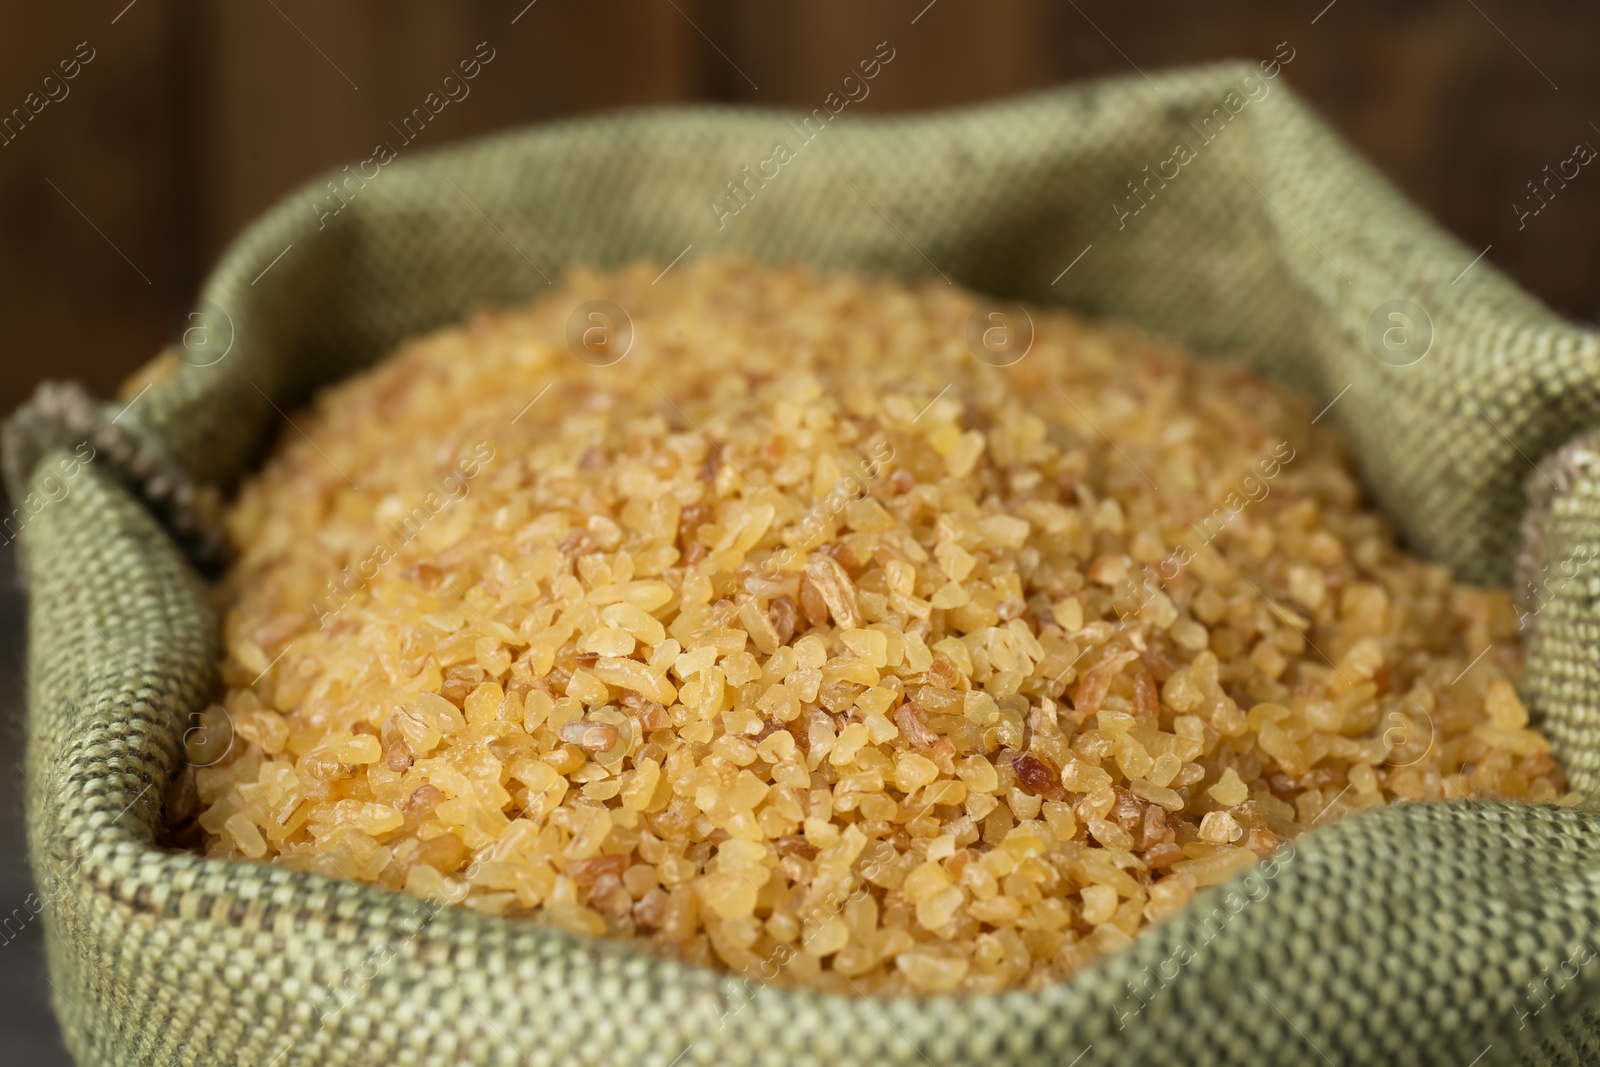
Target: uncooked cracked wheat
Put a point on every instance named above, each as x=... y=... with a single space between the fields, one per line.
x=801 y=643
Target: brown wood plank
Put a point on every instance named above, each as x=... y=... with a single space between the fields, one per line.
x=95 y=255
x=305 y=87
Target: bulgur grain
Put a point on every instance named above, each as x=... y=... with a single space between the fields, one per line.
x=800 y=641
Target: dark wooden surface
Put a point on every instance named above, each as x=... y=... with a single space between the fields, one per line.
x=193 y=117
x=27 y=1029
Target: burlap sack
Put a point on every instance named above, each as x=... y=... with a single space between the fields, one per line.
x=1451 y=933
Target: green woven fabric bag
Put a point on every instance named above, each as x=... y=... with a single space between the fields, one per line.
x=1442 y=933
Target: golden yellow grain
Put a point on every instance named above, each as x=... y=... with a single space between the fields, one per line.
x=802 y=644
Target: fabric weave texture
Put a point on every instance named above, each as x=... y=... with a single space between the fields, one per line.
x=1433 y=933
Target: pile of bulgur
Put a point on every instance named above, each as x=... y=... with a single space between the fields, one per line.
x=802 y=643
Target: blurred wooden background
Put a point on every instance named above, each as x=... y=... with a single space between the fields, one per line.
x=193 y=117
